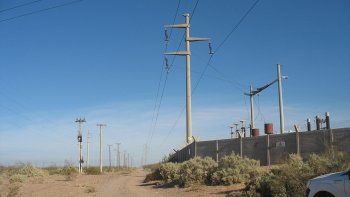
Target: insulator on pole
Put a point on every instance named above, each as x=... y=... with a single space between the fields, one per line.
x=167 y=38
x=210 y=49
x=167 y=66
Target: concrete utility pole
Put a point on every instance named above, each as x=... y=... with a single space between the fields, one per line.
x=80 y=121
x=118 y=154
x=124 y=159
x=187 y=53
x=100 y=127
x=88 y=149
x=110 y=156
x=251 y=110
x=280 y=98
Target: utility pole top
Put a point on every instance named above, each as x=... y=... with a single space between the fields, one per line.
x=80 y=120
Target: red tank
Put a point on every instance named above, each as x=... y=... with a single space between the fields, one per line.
x=255 y=132
x=268 y=128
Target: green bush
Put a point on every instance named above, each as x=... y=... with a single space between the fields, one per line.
x=92 y=171
x=196 y=171
x=169 y=172
x=235 y=169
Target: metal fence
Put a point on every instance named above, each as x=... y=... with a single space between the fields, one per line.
x=269 y=149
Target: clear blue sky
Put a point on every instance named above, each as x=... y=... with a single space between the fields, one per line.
x=102 y=60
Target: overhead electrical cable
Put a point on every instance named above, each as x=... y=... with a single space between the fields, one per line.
x=21 y=5
x=41 y=10
x=157 y=104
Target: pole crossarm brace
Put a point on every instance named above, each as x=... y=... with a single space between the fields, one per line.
x=196 y=39
x=258 y=90
x=177 y=26
x=183 y=53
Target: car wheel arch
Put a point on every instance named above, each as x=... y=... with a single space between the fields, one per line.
x=323 y=194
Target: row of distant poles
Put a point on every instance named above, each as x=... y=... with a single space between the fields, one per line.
x=127 y=160
x=252 y=93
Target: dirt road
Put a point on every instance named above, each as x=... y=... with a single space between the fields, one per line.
x=110 y=185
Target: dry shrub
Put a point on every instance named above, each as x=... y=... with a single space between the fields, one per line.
x=69 y=171
x=290 y=179
x=27 y=170
x=169 y=172
x=196 y=171
x=52 y=170
x=17 y=178
x=153 y=176
x=90 y=189
x=235 y=169
x=92 y=171
x=13 y=190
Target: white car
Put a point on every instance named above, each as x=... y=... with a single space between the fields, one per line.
x=330 y=185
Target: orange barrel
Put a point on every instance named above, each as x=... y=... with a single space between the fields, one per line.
x=268 y=128
x=255 y=132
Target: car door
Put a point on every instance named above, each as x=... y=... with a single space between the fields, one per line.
x=347 y=184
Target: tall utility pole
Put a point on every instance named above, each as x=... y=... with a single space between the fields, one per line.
x=109 y=155
x=80 y=121
x=187 y=53
x=118 y=154
x=88 y=149
x=146 y=154
x=280 y=98
x=251 y=110
x=124 y=159
x=100 y=127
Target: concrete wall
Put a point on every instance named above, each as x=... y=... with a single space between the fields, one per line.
x=280 y=146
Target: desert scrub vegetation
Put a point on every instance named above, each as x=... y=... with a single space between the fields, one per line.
x=92 y=171
x=287 y=179
x=235 y=169
x=23 y=171
x=290 y=178
x=195 y=171
x=69 y=172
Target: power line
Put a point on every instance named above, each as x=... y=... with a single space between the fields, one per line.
x=42 y=10
x=21 y=5
x=156 y=107
x=211 y=56
x=166 y=78
x=237 y=25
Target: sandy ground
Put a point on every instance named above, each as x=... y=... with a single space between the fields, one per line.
x=108 y=185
